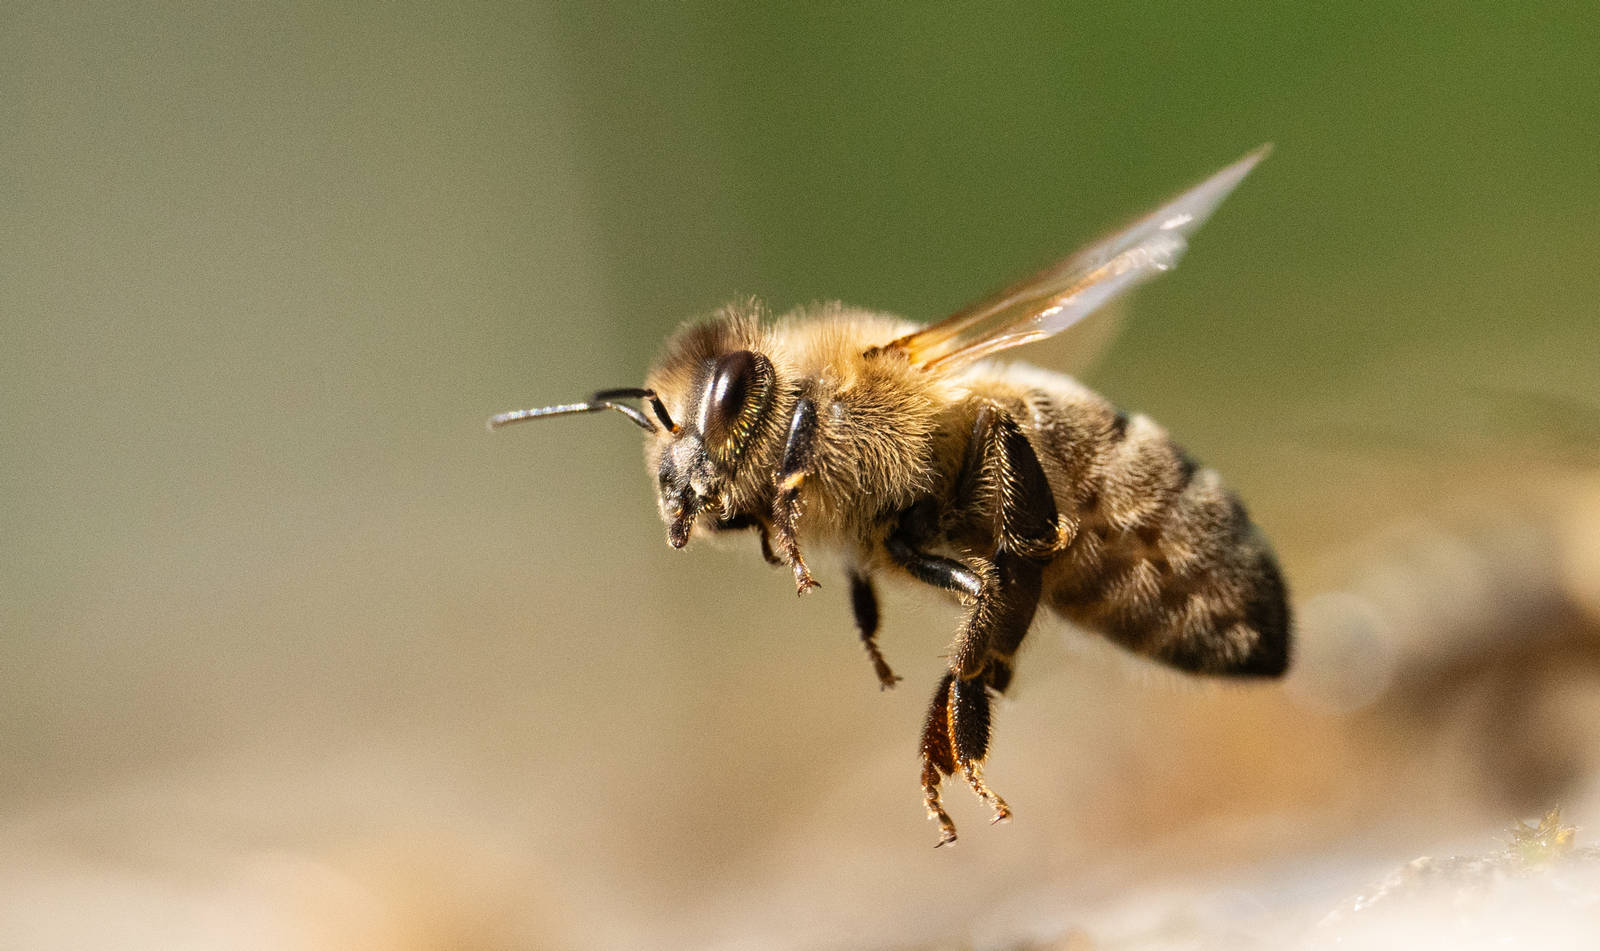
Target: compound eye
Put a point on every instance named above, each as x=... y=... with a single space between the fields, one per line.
x=741 y=384
x=730 y=387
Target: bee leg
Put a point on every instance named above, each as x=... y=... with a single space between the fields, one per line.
x=956 y=733
x=864 y=603
x=997 y=673
x=938 y=758
x=1003 y=592
x=969 y=735
x=738 y=522
x=1026 y=536
x=1025 y=527
x=1000 y=618
x=792 y=471
x=955 y=736
x=766 y=549
x=935 y=570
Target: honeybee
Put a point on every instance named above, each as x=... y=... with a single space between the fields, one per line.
x=1007 y=486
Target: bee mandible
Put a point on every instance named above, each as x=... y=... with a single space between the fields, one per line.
x=912 y=453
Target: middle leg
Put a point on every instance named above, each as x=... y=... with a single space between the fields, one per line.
x=864 y=604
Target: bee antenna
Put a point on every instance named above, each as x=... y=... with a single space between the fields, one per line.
x=567 y=409
x=601 y=401
x=646 y=394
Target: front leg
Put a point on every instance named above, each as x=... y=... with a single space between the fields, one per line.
x=739 y=522
x=796 y=464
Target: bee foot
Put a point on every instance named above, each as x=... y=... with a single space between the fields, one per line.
x=974 y=775
x=947 y=829
x=886 y=677
x=930 y=798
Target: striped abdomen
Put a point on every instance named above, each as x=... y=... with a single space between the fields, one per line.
x=1158 y=554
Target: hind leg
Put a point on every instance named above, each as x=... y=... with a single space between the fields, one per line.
x=956 y=737
x=1003 y=592
x=969 y=731
x=938 y=758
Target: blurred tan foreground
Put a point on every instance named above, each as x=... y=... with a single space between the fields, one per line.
x=1448 y=681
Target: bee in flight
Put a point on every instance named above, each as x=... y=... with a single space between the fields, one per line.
x=1007 y=486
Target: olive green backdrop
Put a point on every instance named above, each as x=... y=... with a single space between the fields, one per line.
x=265 y=268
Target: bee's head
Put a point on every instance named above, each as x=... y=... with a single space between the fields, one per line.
x=724 y=393
x=713 y=401
x=698 y=462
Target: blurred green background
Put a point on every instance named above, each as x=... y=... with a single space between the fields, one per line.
x=267 y=588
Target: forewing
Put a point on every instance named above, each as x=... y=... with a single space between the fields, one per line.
x=1065 y=293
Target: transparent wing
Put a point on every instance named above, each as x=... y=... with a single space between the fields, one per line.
x=1068 y=291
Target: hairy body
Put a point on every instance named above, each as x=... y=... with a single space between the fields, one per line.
x=1006 y=485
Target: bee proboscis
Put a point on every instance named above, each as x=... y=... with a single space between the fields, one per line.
x=1008 y=486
